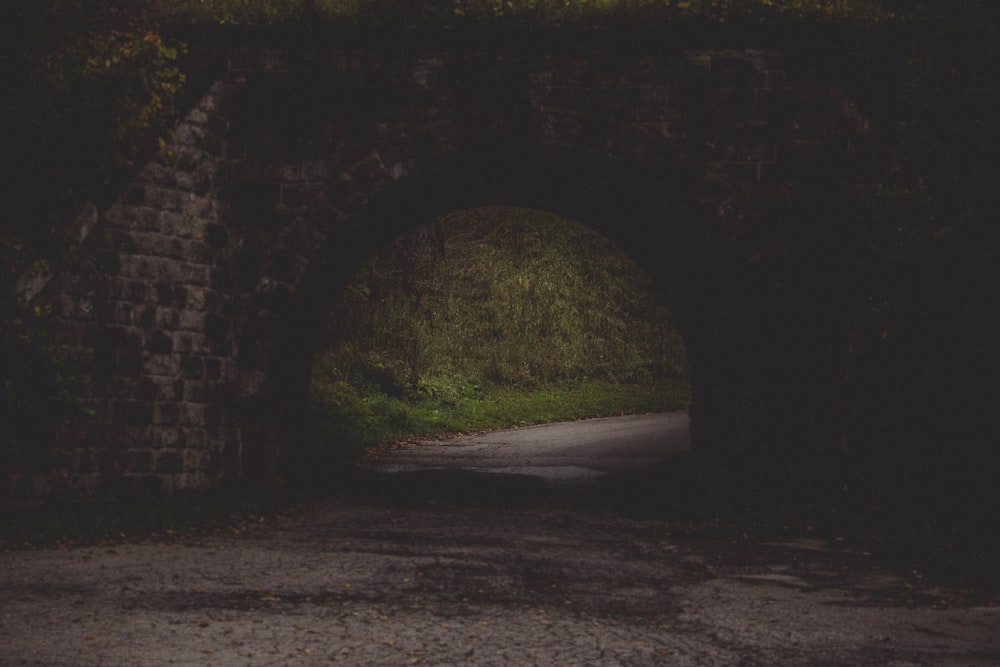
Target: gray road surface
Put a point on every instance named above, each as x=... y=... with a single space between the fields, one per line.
x=488 y=574
x=386 y=585
x=569 y=451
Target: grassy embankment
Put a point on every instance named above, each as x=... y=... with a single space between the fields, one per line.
x=491 y=318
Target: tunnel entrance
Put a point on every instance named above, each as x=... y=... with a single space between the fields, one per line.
x=489 y=318
x=648 y=214
x=751 y=395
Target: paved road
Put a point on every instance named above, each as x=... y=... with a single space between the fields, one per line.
x=451 y=565
x=569 y=451
x=385 y=584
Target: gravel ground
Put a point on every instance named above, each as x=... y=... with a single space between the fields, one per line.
x=480 y=570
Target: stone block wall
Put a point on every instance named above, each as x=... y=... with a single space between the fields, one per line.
x=155 y=340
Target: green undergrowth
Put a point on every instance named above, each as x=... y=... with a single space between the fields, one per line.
x=489 y=318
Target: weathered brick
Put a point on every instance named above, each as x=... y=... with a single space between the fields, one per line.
x=183 y=226
x=136 y=291
x=213 y=368
x=174 y=437
x=195 y=414
x=191 y=343
x=195 y=437
x=190 y=320
x=167 y=318
x=169 y=461
x=139 y=460
x=121 y=386
x=196 y=460
x=128 y=362
x=198 y=391
x=192 y=367
x=166 y=413
x=164 y=365
x=146 y=317
x=133 y=413
x=147 y=389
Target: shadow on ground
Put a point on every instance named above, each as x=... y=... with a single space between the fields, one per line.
x=903 y=528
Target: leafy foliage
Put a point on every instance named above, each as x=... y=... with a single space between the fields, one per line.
x=93 y=86
x=441 y=324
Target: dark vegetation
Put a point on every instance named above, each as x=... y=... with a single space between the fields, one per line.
x=464 y=13
x=912 y=273
x=89 y=90
x=493 y=317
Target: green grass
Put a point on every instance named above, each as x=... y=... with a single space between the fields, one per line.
x=558 y=402
x=376 y=419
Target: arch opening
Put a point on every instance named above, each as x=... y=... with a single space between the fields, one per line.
x=742 y=404
x=488 y=318
x=639 y=211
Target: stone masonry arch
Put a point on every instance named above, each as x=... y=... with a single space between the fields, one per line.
x=300 y=160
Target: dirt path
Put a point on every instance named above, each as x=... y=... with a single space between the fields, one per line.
x=515 y=577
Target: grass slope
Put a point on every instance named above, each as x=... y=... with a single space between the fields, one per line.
x=491 y=318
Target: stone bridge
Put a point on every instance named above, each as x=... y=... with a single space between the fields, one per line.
x=216 y=267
